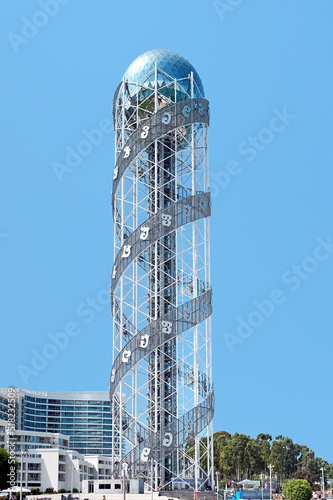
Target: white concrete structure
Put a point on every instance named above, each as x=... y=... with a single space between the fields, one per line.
x=47 y=462
x=98 y=496
x=101 y=465
x=114 y=486
x=64 y=470
x=54 y=468
x=29 y=440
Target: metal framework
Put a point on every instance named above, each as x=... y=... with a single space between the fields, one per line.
x=161 y=388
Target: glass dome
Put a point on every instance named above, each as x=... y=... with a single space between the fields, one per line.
x=174 y=65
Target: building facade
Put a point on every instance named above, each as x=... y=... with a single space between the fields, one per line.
x=3 y=407
x=47 y=463
x=83 y=417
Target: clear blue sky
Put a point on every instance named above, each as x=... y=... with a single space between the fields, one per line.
x=267 y=70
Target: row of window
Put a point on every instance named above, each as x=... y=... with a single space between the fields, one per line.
x=86 y=426
x=80 y=412
x=61 y=402
x=68 y=420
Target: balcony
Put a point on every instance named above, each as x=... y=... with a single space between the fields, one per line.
x=34 y=477
x=34 y=467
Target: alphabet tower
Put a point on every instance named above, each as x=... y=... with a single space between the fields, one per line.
x=161 y=390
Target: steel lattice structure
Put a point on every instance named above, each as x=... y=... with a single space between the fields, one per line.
x=161 y=389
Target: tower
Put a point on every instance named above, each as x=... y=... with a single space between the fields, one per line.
x=161 y=389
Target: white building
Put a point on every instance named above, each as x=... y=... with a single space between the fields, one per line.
x=28 y=440
x=48 y=463
x=60 y=469
x=62 y=439
x=102 y=466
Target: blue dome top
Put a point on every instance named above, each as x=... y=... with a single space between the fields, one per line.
x=171 y=63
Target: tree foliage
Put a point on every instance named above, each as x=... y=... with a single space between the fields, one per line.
x=239 y=456
x=284 y=456
x=7 y=465
x=297 y=489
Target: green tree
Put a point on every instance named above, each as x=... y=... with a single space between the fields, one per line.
x=255 y=463
x=222 y=458
x=265 y=448
x=297 y=489
x=284 y=456
x=225 y=465
x=7 y=466
x=237 y=449
x=329 y=471
x=239 y=456
x=307 y=460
